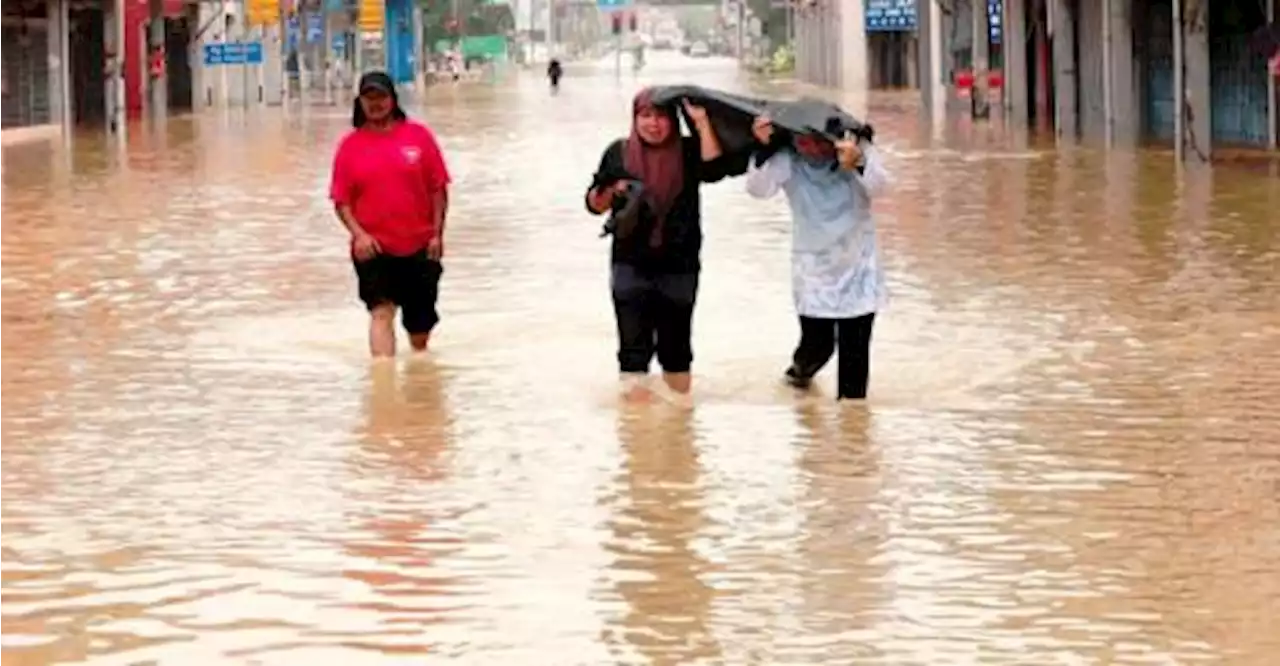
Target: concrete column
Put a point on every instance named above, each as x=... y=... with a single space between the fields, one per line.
x=157 y=87
x=853 y=48
x=799 y=47
x=912 y=65
x=1179 y=84
x=1089 y=70
x=835 y=46
x=823 y=59
x=417 y=59
x=799 y=51
x=1040 y=61
x=929 y=59
x=1195 y=22
x=204 y=89
x=323 y=49
x=822 y=44
x=1015 y=61
x=1122 y=82
x=117 y=120
x=1063 y=31
x=59 y=64
x=273 y=82
x=810 y=47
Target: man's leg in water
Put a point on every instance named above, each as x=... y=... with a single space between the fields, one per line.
x=375 y=287
x=417 y=290
x=674 y=325
x=382 y=329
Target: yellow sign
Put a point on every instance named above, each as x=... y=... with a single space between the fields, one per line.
x=373 y=15
x=262 y=12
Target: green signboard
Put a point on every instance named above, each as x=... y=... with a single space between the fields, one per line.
x=479 y=46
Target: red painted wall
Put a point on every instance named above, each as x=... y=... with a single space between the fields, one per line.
x=136 y=13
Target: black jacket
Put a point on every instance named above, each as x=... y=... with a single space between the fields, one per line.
x=682 y=231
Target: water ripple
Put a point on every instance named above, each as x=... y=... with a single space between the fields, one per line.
x=1069 y=455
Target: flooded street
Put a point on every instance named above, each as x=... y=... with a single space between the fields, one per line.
x=1070 y=454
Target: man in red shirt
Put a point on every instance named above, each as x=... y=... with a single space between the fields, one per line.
x=391 y=191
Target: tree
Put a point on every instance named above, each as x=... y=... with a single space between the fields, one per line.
x=475 y=17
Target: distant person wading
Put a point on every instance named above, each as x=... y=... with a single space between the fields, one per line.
x=554 y=72
x=391 y=191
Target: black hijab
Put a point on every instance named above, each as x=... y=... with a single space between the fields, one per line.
x=381 y=81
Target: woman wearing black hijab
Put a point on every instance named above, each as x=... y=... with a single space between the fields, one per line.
x=657 y=172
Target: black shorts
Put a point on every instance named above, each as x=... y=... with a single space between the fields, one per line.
x=412 y=283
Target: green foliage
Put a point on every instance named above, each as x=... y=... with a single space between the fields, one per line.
x=477 y=17
x=784 y=60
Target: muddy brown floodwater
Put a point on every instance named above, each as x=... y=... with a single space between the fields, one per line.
x=1070 y=455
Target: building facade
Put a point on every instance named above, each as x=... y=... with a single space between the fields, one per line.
x=1106 y=71
x=89 y=63
x=34 y=61
x=891 y=43
x=831 y=43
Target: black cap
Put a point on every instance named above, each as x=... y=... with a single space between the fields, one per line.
x=378 y=81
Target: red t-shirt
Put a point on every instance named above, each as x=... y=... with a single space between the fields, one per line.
x=387 y=178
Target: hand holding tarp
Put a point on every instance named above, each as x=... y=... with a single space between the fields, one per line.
x=697 y=114
x=762 y=129
x=848 y=154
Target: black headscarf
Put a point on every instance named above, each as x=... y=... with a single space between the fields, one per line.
x=376 y=80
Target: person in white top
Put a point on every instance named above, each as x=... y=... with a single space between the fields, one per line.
x=837 y=279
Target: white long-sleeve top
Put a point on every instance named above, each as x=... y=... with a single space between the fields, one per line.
x=835 y=258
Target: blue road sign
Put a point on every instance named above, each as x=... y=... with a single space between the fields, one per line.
x=612 y=5
x=233 y=53
x=890 y=15
x=315 y=28
x=995 y=9
x=292 y=31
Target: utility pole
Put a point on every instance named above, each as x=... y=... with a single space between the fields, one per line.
x=742 y=30
x=282 y=33
x=457 y=24
x=325 y=52
x=1179 y=87
x=790 y=15
x=533 y=21
x=243 y=35
x=1273 y=115
x=357 y=48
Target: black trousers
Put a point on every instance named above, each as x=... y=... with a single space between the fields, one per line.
x=818 y=341
x=655 y=316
